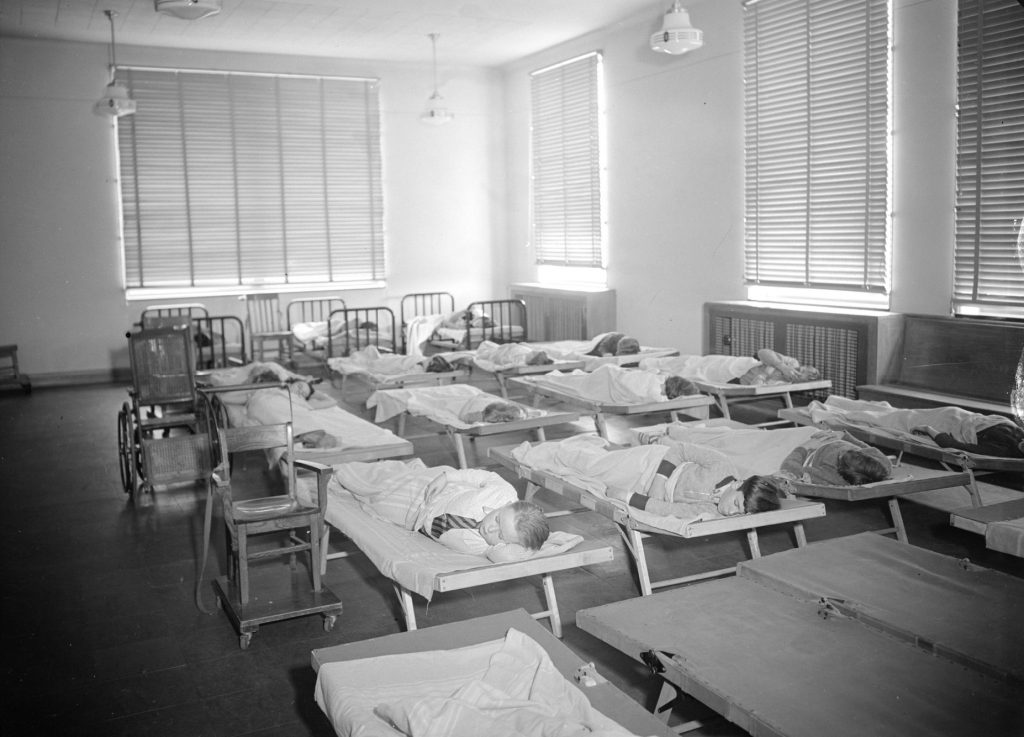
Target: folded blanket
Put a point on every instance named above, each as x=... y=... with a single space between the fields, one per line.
x=499 y=688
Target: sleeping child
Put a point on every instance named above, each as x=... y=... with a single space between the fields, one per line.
x=468 y=510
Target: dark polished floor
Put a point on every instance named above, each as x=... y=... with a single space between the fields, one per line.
x=101 y=634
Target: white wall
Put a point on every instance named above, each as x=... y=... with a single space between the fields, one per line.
x=675 y=166
x=61 y=296
x=457 y=196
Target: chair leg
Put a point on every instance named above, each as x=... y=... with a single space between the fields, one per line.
x=314 y=553
x=243 y=565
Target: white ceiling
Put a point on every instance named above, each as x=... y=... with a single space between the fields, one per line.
x=475 y=32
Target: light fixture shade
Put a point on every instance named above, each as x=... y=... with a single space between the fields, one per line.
x=115 y=101
x=677 y=36
x=188 y=9
x=436 y=112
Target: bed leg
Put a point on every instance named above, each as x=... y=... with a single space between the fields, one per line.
x=755 y=548
x=325 y=541
x=602 y=427
x=552 y=603
x=897 y=519
x=460 y=448
x=635 y=543
x=799 y=534
x=405 y=601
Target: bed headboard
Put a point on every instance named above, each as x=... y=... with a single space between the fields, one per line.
x=353 y=328
x=505 y=322
x=312 y=309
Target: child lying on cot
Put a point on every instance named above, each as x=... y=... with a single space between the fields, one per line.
x=468 y=510
x=485 y=409
x=768 y=368
x=615 y=344
x=809 y=454
x=948 y=427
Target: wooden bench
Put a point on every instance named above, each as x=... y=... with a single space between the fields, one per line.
x=965 y=362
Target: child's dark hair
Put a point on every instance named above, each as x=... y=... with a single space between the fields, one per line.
x=762 y=493
x=531 y=524
x=859 y=467
x=677 y=386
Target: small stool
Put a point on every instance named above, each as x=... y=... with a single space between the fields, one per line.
x=9 y=373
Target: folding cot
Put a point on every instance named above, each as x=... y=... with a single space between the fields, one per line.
x=410 y=660
x=571 y=389
x=351 y=438
x=714 y=378
x=866 y=636
x=388 y=370
x=417 y=564
x=635 y=525
x=904 y=483
x=442 y=404
x=817 y=413
x=1002 y=524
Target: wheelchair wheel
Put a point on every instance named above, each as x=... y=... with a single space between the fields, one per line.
x=128 y=450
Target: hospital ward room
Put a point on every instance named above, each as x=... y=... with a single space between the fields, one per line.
x=629 y=368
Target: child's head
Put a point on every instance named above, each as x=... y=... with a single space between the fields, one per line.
x=677 y=386
x=627 y=347
x=538 y=358
x=519 y=522
x=762 y=493
x=438 y=365
x=862 y=466
x=503 y=412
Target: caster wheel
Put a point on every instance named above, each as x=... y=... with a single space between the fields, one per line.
x=244 y=639
x=329 y=622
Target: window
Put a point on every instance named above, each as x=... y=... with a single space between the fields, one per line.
x=989 y=256
x=567 y=175
x=816 y=108
x=230 y=181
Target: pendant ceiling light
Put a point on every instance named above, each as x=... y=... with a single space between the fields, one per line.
x=436 y=112
x=677 y=36
x=188 y=9
x=115 y=101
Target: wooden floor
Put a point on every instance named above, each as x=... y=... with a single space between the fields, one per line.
x=101 y=635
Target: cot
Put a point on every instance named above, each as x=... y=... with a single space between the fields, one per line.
x=416 y=564
x=354 y=328
x=905 y=482
x=336 y=435
x=388 y=370
x=1002 y=525
x=865 y=636
x=442 y=406
x=822 y=415
x=635 y=525
x=592 y=397
x=713 y=375
x=419 y=654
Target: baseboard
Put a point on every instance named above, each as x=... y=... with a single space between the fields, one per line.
x=79 y=378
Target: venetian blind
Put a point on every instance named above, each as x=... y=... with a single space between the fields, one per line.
x=989 y=267
x=816 y=110
x=231 y=179
x=565 y=138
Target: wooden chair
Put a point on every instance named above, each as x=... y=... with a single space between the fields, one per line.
x=264 y=322
x=245 y=518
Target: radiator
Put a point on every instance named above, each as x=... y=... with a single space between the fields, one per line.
x=849 y=347
x=554 y=313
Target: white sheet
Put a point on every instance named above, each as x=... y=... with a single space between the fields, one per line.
x=371 y=362
x=410 y=558
x=442 y=404
x=628 y=468
x=713 y=369
x=609 y=384
x=499 y=688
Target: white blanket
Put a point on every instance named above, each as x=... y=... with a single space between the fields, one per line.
x=753 y=450
x=609 y=384
x=713 y=369
x=409 y=558
x=371 y=362
x=445 y=405
x=500 y=688
x=418 y=332
x=585 y=462
x=962 y=424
